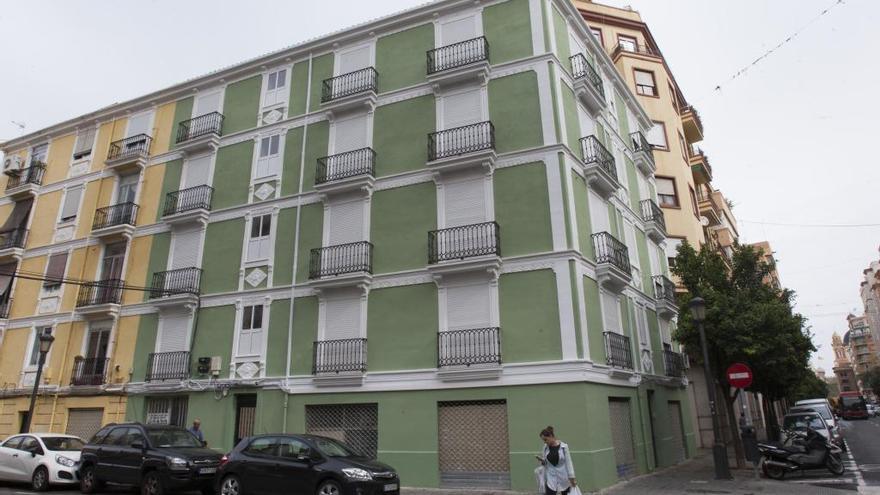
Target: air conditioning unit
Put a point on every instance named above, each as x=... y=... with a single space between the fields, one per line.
x=216 y=365
x=12 y=165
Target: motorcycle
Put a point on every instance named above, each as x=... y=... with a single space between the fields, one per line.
x=804 y=451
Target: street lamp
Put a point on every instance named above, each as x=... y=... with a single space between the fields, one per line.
x=719 y=450
x=45 y=342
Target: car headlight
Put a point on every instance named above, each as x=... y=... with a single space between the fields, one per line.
x=65 y=461
x=357 y=474
x=177 y=464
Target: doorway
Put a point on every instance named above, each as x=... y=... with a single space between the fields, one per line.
x=245 y=416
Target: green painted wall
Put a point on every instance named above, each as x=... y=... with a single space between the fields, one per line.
x=293 y=142
x=402 y=328
x=317 y=142
x=656 y=342
x=170 y=183
x=299 y=80
x=282 y=271
x=158 y=258
x=144 y=345
x=401 y=59
x=400 y=233
x=572 y=125
x=276 y=348
x=560 y=32
x=632 y=185
x=622 y=121
x=595 y=326
x=400 y=135
x=582 y=215
x=232 y=174
x=221 y=258
x=529 y=317
x=305 y=333
x=508 y=29
x=182 y=111
x=311 y=228
x=214 y=336
x=322 y=68
x=576 y=308
x=515 y=111
x=522 y=209
x=241 y=105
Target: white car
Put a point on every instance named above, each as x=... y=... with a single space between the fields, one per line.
x=42 y=459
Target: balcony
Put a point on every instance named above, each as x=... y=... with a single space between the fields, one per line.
x=664 y=296
x=708 y=206
x=643 y=153
x=465 y=248
x=26 y=182
x=471 y=347
x=587 y=84
x=350 y=92
x=618 y=352
x=466 y=61
x=343 y=265
x=674 y=363
x=5 y=305
x=655 y=224
x=641 y=51
x=700 y=167
x=612 y=261
x=693 y=125
x=115 y=220
x=12 y=243
x=89 y=372
x=599 y=167
x=201 y=133
x=100 y=299
x=128 y=154
x=462 y=147
x=190 y=205
x=346 y=172
x=163 y=366
x=180 y=287
x=339 y=356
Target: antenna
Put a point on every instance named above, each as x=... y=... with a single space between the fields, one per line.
x=20 y=125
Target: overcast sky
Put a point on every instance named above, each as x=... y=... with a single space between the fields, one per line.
x=790 y=140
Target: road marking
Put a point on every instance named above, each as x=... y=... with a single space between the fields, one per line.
x=856 y=471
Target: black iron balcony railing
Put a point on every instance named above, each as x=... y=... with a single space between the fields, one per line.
x=179 y=281
x=466 y=241
x=13 y=238
x=131 y=147
x=617 y=350
x=674 y=363
x=637 y=48
x=640 y=143
x=595 y=154
x=4 y=308
x=468 y=347
x=167 y=366
x=345 y=165
x=664 y=289
x=581 y=67
x=338 y=356
x=349 y=84
x=652 y=213
x=340 y=259
x=458 y=54
x=30 y=175
x=610 y=250
x=100 y=292
x=203 y=125
x=89 y=371
x=191 y=198
x=118 y=214
x=461 y=140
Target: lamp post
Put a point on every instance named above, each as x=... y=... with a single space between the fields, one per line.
x=45 y=342
x=719 y=450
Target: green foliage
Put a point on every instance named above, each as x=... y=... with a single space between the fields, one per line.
x=810 y=387
x=871 y=379
x=746 y=320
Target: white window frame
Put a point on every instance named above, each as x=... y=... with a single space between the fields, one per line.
x=322 y=312
x=256 y=158
x=33 y=342
x=488 y=191
x=619 y=307
x=151 y=121
x=196 y=112
x=342 y=51
x=333 y=129
x=443 y=302
x=484 y=104
x=279 y=102
x=86 y=158
x=59 y=222
x=328 y=205
x=270 y=237
x=439 y=42
x=237 y=356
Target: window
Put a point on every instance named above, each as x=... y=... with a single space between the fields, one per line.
x=627 y=43
x=71 y=203
x=276 y=82
x=55 y=271
x=657 y=136
x=611 y=313
x=115 y=436
x=672 y=244
x=597 y=33
x=632 y=249
x=694 y=202
x=250 y=336
x=34 y=358
x=674 y=97
x=259 y=243
x=268 y=159
x=667 y=194
x=13 y=442
x=684 y=148
x=85 y=139
x=30 y=444
x=262 y=446
x=642 y=325
x=292 y=448
x=645 y=84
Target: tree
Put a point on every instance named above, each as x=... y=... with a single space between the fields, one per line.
x=871 y=379
x=746 y=321
x=810 y=387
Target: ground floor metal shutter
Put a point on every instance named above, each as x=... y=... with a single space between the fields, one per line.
x=474 y=451
x=84 y=423
x=167 y=410
x=622 y=437
x=357 y=425
x=679 y=451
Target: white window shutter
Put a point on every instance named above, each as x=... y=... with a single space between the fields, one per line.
x=138 y=124
x=672 y=247
x=196 y=172
x=346 y=222
x=465 y=202
x=207 y=103
x=350 y=134
x=462 y=109
x=354 y=60
x=343 y=318
x=611 y=313
x=631 y=245
x=599 y=213
x=467 y=306
x=186 y=246
x=458 y=30
x=71 y=203
x=175 y=327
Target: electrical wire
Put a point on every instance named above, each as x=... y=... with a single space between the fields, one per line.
x=815 y=225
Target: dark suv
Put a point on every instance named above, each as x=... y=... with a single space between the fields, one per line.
x=154 y=457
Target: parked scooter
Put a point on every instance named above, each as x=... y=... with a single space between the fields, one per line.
x=806 y=450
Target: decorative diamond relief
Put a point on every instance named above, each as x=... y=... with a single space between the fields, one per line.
x=255 y=277
x=264 y=191
x=647 y=363
x=247 y=370
x=272 y=116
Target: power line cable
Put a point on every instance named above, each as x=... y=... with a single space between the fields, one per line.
x=815 y=225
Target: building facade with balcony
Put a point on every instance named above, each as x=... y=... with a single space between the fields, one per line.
x=397 y=235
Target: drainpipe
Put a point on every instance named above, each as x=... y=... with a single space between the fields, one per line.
x=302 y=161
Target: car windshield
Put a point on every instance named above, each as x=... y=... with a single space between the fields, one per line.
x=332 y=448
x=822 y=409
x=802 y=421
x=63 y=443
x=173 y=438
x=853 y=403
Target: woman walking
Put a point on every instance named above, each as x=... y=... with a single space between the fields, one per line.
x=558 y=469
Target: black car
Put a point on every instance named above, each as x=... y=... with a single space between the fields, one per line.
x=154 y=457
x=302 y=465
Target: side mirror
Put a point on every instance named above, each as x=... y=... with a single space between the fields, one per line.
x=137 y=445
x=33 y=453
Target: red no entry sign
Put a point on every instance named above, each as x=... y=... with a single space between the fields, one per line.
x=739 y=375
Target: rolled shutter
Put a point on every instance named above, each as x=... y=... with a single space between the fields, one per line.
x=467 y=306
x=175 y=327
x=84 y=141
x=465 y=202
x=196 y=171
x=462 y=109
x=350 y=134
x=186 y=248
x=6 y=272
x=55 y=269
x=354 y=60
x=346 y=222
x=458 y=30
x=71 y=203
x=343 y=318
x=19 y=215
x=611 y=313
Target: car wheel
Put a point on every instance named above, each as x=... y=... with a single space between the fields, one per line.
x=88 y=480
x=329 y=487
x=40 y=479
x=230 y=486
x=152 y=484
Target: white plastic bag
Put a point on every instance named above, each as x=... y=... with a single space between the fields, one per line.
x=574 y=491
x=539 y=479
